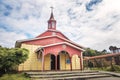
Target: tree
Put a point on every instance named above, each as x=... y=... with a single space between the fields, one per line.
x=113 y=49
x=89 y=52
x=10 y=58
x=104 y=51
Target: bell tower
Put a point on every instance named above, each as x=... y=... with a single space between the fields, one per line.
x=52 y=21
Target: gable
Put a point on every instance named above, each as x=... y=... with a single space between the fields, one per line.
x=52 y=33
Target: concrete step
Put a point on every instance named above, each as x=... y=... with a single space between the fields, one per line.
x=71 y=77
x=58 y=72
x=65 y=75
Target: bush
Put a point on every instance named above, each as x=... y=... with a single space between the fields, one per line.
x=14 y=77
x=11 y=58
x=114 y=68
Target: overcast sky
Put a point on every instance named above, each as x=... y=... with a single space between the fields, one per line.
x=90 y=23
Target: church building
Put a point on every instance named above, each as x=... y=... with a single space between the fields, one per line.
x=51 y=50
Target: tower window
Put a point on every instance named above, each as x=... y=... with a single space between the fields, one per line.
x=53 y=24
x=48 y=25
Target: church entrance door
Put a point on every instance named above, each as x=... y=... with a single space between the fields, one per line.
x=52 y=62
x=58 y=62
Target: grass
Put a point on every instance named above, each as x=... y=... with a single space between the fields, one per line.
x=17 y=76
x=114 y=68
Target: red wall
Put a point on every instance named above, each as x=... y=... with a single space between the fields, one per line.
x=49 y=33
x=58 y=48
x=45 y=41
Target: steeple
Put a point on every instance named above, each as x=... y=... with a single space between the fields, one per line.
x=52 y=21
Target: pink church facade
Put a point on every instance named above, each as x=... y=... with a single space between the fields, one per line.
x=55 y=50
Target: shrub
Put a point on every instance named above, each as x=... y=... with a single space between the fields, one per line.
x=14 y=77
x=115 y=68
x=11 y=58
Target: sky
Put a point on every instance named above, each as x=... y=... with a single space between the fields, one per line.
x=90 y=23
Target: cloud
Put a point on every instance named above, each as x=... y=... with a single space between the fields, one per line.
x=8 y=39
x=91 y=23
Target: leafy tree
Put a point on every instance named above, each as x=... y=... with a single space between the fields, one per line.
x=89 y=52
x=104 y=51
x=113 y=49
x=11 y=58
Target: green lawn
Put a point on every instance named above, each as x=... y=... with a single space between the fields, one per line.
x=17 y=76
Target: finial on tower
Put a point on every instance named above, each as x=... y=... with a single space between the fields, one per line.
x=51 y=9
x=51 y=17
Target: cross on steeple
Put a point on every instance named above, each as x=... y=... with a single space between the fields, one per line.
x=51 y=8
